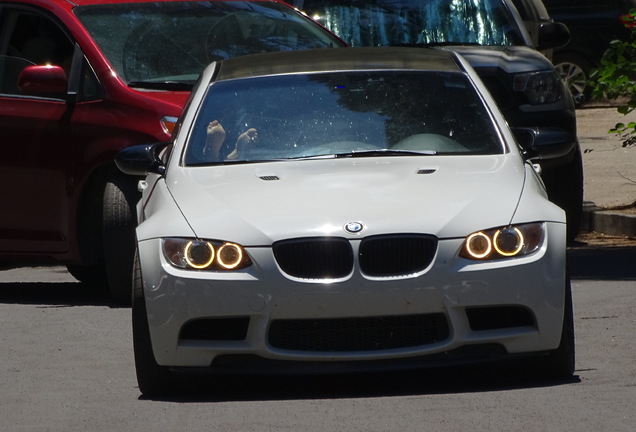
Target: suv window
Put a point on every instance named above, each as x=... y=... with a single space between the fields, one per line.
x=428 y=22
x=173 y=42
x=605 y=4
x=532 y=10
x=30 y=39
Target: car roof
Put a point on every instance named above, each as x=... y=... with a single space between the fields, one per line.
x=336 y=59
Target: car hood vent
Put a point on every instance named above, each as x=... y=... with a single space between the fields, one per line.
x=269 y=177
x=427 y=170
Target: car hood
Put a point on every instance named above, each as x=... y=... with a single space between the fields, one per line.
x=257 y=204
x=511 y=59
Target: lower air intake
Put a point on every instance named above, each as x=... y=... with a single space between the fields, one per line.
x=358 y=334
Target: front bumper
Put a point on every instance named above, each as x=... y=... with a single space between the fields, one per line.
x=455 y=306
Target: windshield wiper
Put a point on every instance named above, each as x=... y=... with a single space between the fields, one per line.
x=366 y=153
x=162 y=85
x=353 y=154
x=233 y=162
x=385 y=152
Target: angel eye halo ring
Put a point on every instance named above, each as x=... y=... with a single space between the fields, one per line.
x=478 y=245
x=198 y=254
x=508 y=241
x=230 y=255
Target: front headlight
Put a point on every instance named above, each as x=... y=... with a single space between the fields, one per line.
x=539 y=87
x=504 y=242
x=197 y=254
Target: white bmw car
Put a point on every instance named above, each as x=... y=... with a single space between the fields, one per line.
x=346 y=210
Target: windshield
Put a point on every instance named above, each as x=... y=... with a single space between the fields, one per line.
x=170 y=43
x=416 y=22
x=344 y=114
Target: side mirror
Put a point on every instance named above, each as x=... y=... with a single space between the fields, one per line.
x=539 y=144
x=142 y=159
x=43 y=80
x=553 y=35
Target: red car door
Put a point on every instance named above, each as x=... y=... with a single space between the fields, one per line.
x=35 y=157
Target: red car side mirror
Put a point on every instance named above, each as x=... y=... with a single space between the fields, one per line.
x=43 y=80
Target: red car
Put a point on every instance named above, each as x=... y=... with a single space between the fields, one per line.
x=82 y=79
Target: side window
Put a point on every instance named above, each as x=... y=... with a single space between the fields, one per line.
x=30 y=39
x=522 y=9
x=89 y=86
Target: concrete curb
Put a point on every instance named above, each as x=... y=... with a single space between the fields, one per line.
x=607 y=221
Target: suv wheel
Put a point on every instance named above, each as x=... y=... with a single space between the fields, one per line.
x=119 y=223
x=574 y=71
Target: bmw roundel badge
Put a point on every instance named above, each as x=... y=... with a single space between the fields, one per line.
x=354 y=227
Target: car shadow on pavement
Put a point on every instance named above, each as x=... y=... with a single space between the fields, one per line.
x=54 y=294
x=51 y=286
x=602 y=263
x=444 y=380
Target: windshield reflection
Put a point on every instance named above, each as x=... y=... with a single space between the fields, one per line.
x=345 y=113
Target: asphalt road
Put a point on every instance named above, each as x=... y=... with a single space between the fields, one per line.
x=66 y=365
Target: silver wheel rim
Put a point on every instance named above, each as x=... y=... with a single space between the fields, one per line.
x=573 y=76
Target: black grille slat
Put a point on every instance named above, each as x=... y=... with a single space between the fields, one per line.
x=358 y=334
x=315 y=258
x=396 y=255
x=379 y=256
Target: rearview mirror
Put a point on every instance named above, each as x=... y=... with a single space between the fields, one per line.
x=553 y=35
x=43 y=80
x=539 y=144
x=142 y=159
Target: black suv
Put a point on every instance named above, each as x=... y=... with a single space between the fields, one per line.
x=492 y=36
x=593 y=25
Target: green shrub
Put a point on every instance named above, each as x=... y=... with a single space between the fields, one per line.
x=615 y=79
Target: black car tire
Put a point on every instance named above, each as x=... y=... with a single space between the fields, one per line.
x=154 y=380
x=575 y=72
x=565 y=188
x=119 y=223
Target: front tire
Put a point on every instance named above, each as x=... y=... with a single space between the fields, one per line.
x=153 y=379
x=560 y=363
